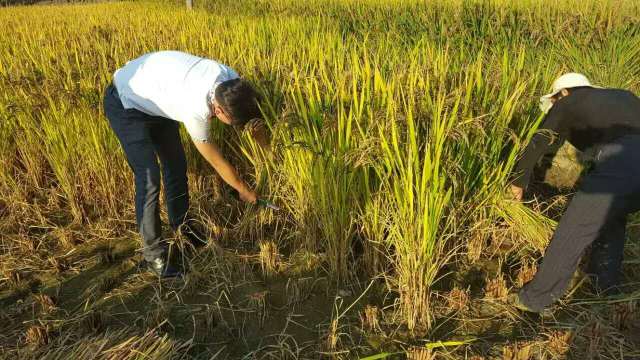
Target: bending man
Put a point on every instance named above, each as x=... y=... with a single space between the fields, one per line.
x=606 y=124
x=148 y=99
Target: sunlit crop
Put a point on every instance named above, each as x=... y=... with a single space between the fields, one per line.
x=394 y=125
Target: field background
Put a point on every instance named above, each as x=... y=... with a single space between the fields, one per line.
x=394 y=127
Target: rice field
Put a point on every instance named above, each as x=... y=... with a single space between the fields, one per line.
x=394 y=127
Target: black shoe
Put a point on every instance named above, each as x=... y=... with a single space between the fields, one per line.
x=195 y=236
x=163 y=268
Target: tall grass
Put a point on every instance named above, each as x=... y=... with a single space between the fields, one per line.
x=395 y=124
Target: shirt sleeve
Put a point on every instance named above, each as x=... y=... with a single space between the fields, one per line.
x=545 y=139
x=199 y=129
x=231 y=74
x=227 y=74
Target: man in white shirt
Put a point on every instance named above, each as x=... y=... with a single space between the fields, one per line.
x=149 y=98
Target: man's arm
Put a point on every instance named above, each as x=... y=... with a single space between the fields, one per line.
x=228 y=173
x=547 y=136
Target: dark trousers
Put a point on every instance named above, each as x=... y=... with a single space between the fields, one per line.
x=597 y=216
x=145 y=139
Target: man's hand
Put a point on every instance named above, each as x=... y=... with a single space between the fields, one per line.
x=249 y=197
x=517 y=192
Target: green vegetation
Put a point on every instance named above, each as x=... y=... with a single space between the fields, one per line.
x=394 y=126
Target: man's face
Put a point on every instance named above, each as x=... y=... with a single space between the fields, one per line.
x=221 y=114
x=560 y=95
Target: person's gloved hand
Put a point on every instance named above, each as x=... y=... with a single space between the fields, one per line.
x=517 y=192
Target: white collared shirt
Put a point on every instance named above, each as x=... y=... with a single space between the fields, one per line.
x=173 y=85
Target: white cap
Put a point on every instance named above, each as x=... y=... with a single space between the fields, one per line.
x=566 y=81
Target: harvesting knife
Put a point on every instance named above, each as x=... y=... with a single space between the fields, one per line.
x=267 y=204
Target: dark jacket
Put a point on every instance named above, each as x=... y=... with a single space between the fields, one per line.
x=586 y=118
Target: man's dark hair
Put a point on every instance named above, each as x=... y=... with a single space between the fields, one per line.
x=238 y=98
